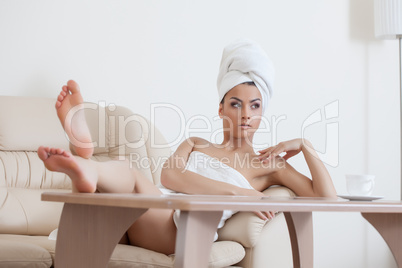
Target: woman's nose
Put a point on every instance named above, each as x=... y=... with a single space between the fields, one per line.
x=245 y=113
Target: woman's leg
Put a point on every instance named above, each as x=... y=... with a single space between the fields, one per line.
x=154 y=230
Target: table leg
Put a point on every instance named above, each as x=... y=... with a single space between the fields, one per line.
x=195 y=235
x=300 y=225
x=88 y=234
x=389 y=227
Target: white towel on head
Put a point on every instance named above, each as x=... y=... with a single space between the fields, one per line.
x=245 y=61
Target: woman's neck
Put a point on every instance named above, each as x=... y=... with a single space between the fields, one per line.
x=238 y=144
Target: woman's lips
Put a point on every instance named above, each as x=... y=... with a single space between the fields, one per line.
x=245 y=126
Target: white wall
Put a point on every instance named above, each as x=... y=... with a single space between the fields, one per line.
x=136 y=53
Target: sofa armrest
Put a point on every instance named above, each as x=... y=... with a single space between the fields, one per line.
x=246 y=227
x=243 y=227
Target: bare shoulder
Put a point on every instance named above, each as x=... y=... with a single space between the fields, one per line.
x=199 y=143
x=191 y=144
x=191 y=141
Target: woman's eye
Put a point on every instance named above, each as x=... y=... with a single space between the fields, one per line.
x=236 y=105
x=255 y=106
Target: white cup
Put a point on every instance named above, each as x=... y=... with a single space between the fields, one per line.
x=360 y=185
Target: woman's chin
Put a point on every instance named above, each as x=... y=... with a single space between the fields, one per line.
x=244 y=134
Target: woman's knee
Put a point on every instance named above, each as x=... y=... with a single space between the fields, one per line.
x=143 y=184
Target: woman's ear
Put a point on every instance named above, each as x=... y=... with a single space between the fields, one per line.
x=220 y=110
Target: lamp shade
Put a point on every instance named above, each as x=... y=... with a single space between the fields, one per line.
x=388 y=18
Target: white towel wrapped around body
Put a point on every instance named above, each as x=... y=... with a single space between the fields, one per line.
x=245 y=61
x=212 y=168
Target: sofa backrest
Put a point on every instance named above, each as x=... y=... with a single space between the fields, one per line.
x=27 y=123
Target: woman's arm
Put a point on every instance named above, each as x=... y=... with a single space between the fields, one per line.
x=321 y=183
x=321 y=180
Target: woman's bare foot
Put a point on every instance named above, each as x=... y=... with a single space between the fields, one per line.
x=83 y=177
x=70 y=110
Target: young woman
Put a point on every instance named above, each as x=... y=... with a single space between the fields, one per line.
x=244 y=85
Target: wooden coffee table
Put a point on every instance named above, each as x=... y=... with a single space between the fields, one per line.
x=91 y=225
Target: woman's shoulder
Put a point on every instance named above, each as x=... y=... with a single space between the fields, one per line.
x=198 y=142
x=192 y=144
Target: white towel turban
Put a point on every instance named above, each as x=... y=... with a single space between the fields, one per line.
x=245 y=61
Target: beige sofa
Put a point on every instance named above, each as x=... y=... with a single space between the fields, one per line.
x=26 y=221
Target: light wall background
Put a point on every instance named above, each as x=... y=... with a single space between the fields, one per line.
x=141 y=53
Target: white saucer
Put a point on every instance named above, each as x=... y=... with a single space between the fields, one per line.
x=360 y=198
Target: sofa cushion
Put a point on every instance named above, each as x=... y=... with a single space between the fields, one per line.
x=226 y=253
x=223 y=253
x=131 y=257
x=38 y=240
x=23 y=212
x=20 y=254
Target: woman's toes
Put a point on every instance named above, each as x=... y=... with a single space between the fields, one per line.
x=42 y=153
x=73 y=86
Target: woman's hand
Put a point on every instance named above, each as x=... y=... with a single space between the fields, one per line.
x=264 y=215
x=291 y=148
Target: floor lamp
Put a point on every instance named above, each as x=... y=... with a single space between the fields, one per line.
x=388 y=25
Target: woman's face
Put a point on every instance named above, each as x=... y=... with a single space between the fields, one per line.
x=241 y=111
